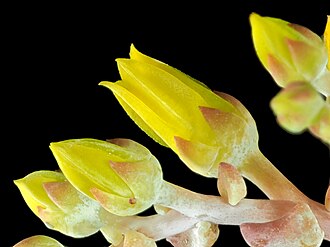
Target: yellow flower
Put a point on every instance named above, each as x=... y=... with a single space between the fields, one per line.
x=59 y=205
x=122 y=175
x=288 y=51
x=202 y=127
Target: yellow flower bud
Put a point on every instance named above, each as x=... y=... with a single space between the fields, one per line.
x=288 y=51
x=122 y=175
x=39 y=240
x=59 y=205
x=179 y=112
x=296 y=106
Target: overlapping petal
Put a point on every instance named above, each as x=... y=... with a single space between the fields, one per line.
x=176 y=111
x=59 y=205
x=120 y=174
x=288 y=51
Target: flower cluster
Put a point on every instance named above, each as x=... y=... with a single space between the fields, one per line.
x=103 y=185
x=297 y=60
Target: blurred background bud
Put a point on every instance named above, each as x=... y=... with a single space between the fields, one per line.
x=288 y=51
x=297 y=106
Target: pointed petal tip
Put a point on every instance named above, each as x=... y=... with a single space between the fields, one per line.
x=255 y=18
x=104 y=83
x=254 y=15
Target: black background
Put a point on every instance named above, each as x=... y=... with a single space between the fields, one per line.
x=54 y=57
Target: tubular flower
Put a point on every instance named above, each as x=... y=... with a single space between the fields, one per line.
x=122 y=175
x=59 y=205
x=203 y=128
x=290 y=52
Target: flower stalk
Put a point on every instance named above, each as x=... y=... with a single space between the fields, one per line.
x=260 y=171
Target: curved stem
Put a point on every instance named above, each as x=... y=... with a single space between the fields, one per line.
x=260 y=171
x=189 y=208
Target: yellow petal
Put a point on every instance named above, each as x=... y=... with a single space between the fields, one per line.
x=81 y=161
x=327 y=39
x=208 y=96
x=165 y=94
x=61 y=207
x=32 y=191
x=151 y=118
x=139 y=121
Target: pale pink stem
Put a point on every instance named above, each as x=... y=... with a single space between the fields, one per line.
x=260 y=171
x=160 y=227
x=191 y=207
x=217 y=210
